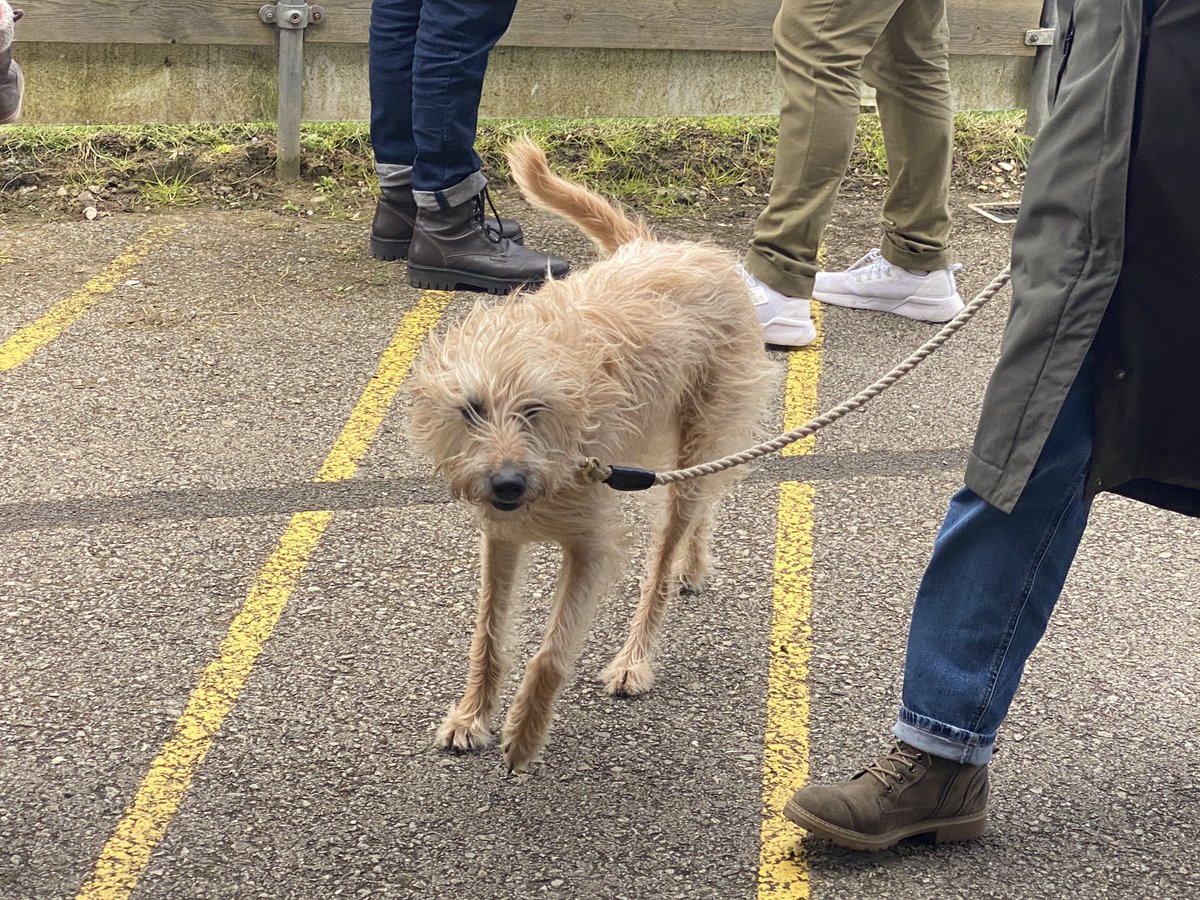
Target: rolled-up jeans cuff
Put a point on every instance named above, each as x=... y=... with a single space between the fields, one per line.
x=939 y=739
x=393 y=175
x=455 y=195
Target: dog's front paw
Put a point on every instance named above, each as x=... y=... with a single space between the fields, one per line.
x=519 y=747
x=463 y=733
x=623 y=678
x=692 y=582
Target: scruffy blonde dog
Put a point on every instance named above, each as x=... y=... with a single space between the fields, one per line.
x=651 y=357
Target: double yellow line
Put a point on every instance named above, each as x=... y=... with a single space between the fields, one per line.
x=144 y=823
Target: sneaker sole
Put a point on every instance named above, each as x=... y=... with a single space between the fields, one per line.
x=431 y=279
x=788 y=337
x=784 y=348
x=944 y=831
x=937 y=312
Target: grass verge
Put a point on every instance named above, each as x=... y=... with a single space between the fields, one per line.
x=664 y=166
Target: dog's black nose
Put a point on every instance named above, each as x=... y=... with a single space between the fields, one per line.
x=508 y=486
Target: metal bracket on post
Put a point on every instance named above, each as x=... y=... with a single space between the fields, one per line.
x=291 y=17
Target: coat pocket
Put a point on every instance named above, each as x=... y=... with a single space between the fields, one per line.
x=1068 y=43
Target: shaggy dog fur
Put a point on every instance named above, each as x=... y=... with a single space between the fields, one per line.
x=654 y=357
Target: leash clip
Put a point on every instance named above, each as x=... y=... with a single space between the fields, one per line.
x=619 y=478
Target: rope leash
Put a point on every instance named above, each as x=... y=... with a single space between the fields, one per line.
x=626 y=478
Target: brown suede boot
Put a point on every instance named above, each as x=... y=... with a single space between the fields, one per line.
x=904 y=793
x=396 y=217
x=454 y=249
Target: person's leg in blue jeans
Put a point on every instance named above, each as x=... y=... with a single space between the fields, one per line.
x=982 y=606
x=427 y=63
x=428 y=59
x=392 y=41
x=988 y=592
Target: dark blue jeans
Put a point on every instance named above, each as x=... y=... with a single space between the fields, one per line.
x=988 y=592
x=427 y=62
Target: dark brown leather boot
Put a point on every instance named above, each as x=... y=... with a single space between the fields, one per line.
x=904 y=793
x=453 y=249
x=396 y=215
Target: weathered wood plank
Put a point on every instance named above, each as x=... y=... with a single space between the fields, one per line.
x=992 y=27
x=644 y=24
x=977 y=26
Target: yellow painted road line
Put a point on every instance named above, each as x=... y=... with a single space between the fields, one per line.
x=800 y=391
x=782 y=871
x=33 y=337
x=127 y=853
x=356 y=437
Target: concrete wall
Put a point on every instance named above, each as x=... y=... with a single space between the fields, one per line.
x=132 y=83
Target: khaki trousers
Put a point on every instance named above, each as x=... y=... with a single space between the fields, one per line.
x=824 y=50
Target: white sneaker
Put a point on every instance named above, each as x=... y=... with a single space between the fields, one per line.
x=786 y=321
x=874 y=283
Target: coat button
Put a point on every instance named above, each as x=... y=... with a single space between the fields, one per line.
x=1119 y=374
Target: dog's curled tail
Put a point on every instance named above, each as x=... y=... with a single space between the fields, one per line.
x=600 y=220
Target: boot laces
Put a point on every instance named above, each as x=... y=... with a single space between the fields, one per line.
x=896 y=765
x=494 y=232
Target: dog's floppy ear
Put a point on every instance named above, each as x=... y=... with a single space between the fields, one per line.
x=432 y=384
x=434 y=363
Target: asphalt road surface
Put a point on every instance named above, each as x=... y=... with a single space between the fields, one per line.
x=234 y=605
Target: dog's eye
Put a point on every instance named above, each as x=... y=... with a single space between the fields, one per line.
x=474 y=412
x=531 y=411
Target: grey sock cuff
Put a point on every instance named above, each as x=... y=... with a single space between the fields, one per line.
x=455 y=195
x=392 y=175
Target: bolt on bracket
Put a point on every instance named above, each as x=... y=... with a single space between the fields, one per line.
x=291 y=15
x=1039 y=37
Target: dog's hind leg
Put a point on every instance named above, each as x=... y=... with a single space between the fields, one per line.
x=679 y=555
x=630 y=674
x=587 y=570
x=468 y=724
x=694 y=563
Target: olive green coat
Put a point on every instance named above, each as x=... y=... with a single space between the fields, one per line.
x=1110 y=212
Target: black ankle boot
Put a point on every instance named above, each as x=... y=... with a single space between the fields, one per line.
x=395 y=216
x=454 y=249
